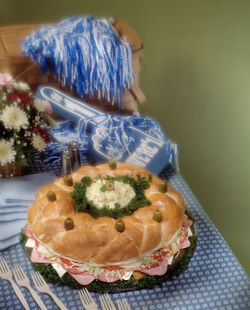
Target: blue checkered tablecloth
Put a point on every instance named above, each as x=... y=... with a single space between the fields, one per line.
x=214 y=279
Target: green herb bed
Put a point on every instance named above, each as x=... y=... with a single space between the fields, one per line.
x=179 y=265
x=82 y=204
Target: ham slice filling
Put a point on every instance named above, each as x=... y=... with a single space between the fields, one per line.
x=157 y=262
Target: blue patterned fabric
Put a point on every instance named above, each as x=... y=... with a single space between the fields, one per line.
x=214 y=279
x=86 y=54
x=134 y=138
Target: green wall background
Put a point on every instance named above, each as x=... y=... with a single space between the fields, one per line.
x=196 y=76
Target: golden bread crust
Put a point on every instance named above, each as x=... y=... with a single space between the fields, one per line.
x=96 y=241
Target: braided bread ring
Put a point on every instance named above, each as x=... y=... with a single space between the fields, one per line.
x=96 y=241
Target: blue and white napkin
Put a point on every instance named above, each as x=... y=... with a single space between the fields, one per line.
x=23 y=189
x=10 y=207
x=4 y=244
x=11 y=228
x=21 y=208
x=16 y=194
x=9 y=231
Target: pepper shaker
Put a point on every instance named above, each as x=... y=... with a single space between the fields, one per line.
x=75 y=155
x=66 y=165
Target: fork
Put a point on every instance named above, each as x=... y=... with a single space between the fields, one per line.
x=123 y=304
x=86 y=299
x=22 y=279
x=43 y=287
x=6 y=274
x=107 y=303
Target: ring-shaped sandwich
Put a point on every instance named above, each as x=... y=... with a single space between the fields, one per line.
x=115 y=224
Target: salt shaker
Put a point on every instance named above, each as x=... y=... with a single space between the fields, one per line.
x=66 y=165
x=75 y=155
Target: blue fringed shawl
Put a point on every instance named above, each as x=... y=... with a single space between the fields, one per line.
x=86 y=54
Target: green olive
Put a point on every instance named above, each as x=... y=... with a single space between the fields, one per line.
x=163 y=186
x=69 y=223
x=68 y=180
x=110 y=186
x=120 y=225
x=112 y=164
x=51 y=196
x=157 y=216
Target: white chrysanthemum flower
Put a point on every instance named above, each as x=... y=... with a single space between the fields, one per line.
x=7 y=152
x=39 y=106
x=38 y=142
x=14 y=118
x=21 y=86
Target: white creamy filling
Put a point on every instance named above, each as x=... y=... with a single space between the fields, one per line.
x=121 y=194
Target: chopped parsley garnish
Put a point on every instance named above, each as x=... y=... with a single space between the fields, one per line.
x=150 y=178
x=103 y=188
x=86 y=180
x=82 y=204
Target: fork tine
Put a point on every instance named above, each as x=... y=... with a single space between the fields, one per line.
x=123 y=304
x=126 y=303
x=21 y=272
x=15 y=273
x=102 y=303
x=41 y=279
x=37 y=279
x=107 y=301
x=127 y=306
x=120 y=305
x=2 y=264
x=89 y=296
x=5 y=266
x=1 y=267
x=87 y=300
x=83 y=297
x=33 y=276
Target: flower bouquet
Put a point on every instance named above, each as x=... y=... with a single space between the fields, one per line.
x=24 y=121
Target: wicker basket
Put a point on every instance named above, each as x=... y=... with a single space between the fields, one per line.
x=23 y=68
x=11 y=170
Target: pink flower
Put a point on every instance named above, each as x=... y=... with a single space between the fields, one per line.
x=6 y=79
x=47 y=106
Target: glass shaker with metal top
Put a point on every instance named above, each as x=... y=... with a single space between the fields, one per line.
x=75 y=155
x=66 y=164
